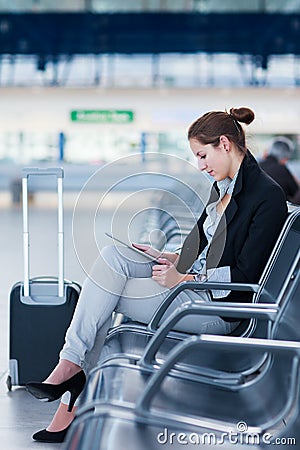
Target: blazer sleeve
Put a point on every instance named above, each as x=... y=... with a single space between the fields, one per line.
x=266 y=223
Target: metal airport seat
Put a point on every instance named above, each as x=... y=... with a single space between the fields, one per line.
x=117 y=378
x=129 y=340
x=142 y=407
x=136 y=406
x=112 y=427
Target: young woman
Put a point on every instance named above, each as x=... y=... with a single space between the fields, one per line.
x=232 y=239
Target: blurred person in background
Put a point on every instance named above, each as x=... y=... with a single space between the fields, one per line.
x=274 y=164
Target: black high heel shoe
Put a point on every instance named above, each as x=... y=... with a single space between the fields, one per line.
x=49 y=392
x=50 y=437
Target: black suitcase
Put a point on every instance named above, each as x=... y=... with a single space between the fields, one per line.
x=41 y=309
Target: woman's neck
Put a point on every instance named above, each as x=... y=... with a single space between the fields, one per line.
x=236 y=164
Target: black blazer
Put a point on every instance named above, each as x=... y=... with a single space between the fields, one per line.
x=247 y=231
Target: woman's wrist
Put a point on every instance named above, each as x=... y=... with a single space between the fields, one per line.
x=188 y=277
x=194 y=277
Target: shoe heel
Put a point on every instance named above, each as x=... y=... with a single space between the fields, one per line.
x=76 y=390
x=74 y=396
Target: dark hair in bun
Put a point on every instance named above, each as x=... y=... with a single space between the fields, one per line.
x=208 y=128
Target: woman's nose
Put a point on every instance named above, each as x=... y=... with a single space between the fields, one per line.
x=201 y=164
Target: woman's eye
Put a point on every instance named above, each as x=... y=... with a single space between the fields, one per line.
x=201 y=156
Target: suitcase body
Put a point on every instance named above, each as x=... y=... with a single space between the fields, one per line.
x=37 y=329
x=41 y=309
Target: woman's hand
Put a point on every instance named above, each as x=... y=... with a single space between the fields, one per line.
x=166 y=274
x=172 y=257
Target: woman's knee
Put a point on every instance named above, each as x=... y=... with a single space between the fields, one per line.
x=108 y=253
x=112 y=258
x=105 y=261
x=117 y=255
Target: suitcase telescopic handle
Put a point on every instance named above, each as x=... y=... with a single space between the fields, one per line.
x=58 y=172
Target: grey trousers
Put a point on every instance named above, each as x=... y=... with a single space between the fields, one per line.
x=120 y=281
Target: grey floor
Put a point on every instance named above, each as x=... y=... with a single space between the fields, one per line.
x=20 y=414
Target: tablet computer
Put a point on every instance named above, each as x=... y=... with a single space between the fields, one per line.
x=152 y=258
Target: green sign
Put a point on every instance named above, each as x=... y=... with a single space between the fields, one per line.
x=102 y=116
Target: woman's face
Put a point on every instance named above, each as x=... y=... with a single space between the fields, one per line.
x=216 y=161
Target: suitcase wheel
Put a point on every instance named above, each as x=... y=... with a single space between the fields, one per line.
x=9 y=383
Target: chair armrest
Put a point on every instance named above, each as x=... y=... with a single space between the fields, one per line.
x=238 y=310
x=233 y=342
x=189 y=345
x=193 y=285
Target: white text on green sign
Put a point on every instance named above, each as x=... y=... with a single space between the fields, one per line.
x=102 y=116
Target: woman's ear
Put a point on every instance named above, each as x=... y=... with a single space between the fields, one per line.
x=225 y=143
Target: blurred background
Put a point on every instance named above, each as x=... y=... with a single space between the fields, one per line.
x=83 y=82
